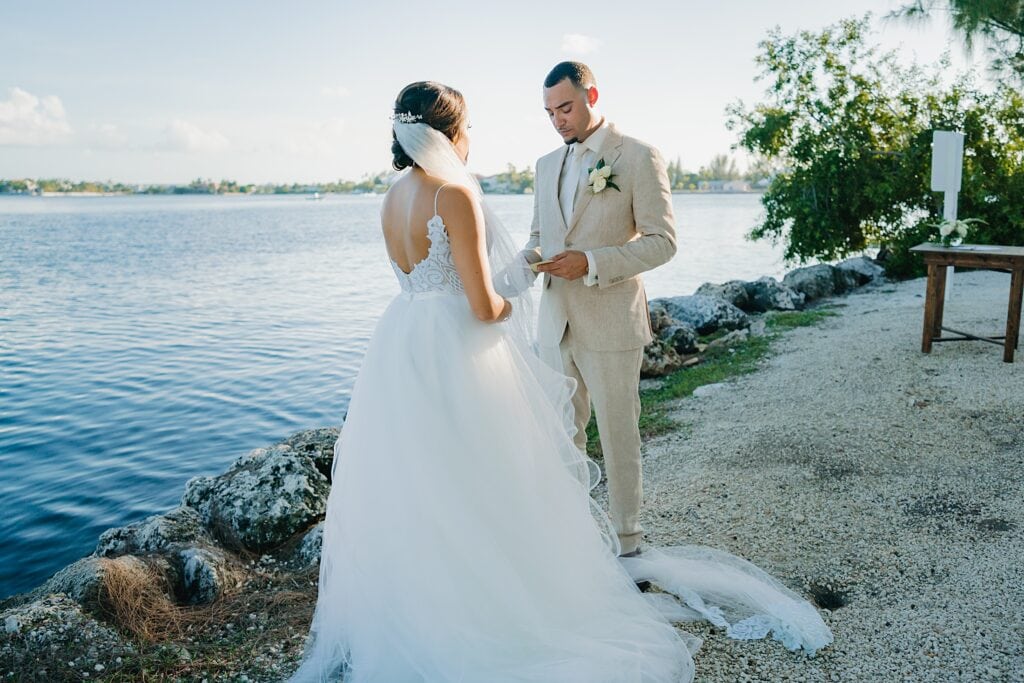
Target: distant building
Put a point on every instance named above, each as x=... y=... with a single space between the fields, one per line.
x=724 y=186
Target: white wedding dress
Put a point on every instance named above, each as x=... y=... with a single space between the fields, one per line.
x=461 y=542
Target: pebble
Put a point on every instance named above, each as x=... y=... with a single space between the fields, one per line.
x=894 y=484
x=709 y=389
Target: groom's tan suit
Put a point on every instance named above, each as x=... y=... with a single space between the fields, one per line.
x=594 y=328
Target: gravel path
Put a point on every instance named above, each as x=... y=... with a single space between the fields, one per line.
x=883 y=481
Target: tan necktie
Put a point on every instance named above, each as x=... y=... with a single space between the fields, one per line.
x=571 y=180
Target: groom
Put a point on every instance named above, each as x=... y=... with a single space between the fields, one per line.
x=599 y=229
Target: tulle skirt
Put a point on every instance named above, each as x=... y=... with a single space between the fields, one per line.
x=461 y=543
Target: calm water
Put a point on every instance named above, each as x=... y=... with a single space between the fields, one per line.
x=146 y=340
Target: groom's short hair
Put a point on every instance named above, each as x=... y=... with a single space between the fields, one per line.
x=577 y=72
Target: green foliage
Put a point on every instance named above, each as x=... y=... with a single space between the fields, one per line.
x=681 y=179
x=374 y=182
x=27 y=186
x=512 y=181
x=998 y=23
x=851 y=130
x=721 y=167
x=790 y=319
x=760 y=169
x=21 y=186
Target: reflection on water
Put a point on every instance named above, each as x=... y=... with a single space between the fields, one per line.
x=146 y=340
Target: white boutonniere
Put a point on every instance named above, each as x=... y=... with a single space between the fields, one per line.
x=600 y=177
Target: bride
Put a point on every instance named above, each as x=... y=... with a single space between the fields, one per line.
x=461 y=542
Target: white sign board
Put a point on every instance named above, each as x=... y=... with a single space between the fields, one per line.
x=947 y=160
x=947 y=169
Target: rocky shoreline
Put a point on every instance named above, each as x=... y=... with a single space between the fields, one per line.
x=257 y=527
x=679 y=322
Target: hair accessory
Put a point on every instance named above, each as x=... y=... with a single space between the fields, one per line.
x=406 y=117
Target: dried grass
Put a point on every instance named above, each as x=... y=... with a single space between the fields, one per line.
x=137 y=597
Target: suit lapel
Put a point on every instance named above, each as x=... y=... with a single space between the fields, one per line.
x=610 y=151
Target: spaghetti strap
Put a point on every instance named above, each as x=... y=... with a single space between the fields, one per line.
x=436 y=195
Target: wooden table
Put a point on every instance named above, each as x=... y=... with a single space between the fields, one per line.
x=991 y=257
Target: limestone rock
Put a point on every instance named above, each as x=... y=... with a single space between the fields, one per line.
x=768 y=294
x=704 y=313
x=681 y=337
x=53 y=629
x=81 y=581
x=181 y=525
x=733 y=291
x=308 y=552
x=267 y=496
x=660 y=319
x=206 y=574
x=846 y=279
x=814 y=282
x=862 y=269
x=317 y=444
x=734 y=337
x=659 y=359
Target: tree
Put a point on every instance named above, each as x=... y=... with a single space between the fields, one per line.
x=681 y=179
x=852 y=128
x=514 y=181
x=722 y=167
x=760 y=169
x=675 y=173
x=1000 y=23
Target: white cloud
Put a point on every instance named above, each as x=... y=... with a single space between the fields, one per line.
x=579 y=44
x=29 y=120
x=188 y=137
x=335 y=91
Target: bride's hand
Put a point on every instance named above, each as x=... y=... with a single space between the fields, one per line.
x=506 y=312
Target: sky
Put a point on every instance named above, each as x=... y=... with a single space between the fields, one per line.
x=145 y=92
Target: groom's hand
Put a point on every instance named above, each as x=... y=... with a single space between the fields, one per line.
x=570 y=265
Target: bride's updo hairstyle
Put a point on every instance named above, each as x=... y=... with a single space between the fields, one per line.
x=434 y=104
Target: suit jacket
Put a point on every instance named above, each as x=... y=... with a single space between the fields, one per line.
x=627 y=231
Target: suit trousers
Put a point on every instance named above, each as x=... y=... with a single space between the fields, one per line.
x=609 y=379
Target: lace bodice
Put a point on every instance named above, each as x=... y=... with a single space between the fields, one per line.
x=436 y=272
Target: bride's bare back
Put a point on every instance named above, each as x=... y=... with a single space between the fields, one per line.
x=408 y=207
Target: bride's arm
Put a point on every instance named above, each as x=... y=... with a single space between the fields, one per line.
x=465 y=223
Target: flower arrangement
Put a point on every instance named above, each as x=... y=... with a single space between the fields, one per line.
x=600 y=177
x=953 y=232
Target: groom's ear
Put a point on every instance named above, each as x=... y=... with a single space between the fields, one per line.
x=592 y=95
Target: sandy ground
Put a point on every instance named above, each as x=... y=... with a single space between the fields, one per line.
x=883 y=481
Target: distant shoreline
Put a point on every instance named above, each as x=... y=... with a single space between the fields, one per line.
x=303 y=194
